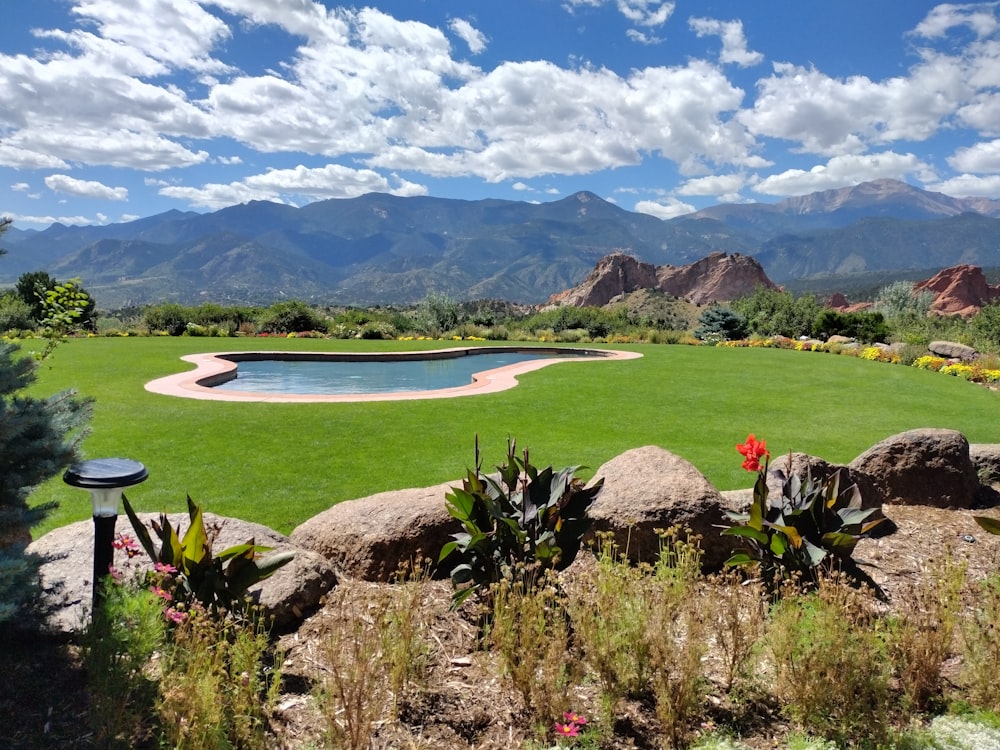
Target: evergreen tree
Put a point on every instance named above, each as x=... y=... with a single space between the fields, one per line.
x=38 y=437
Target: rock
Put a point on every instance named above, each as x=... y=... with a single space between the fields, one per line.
x=369 y=537
x=986 y=460
x=918 y=467
x=613 y=276
x=952 y=350
x=649 y=488
x=959 y=290
x=291 y=593
x=715 y=278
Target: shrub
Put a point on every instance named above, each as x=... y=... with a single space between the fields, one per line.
x=292 y=316
x=518 y=522
x=195 y=574
x=812 y=529
x=981 y=647
x=15 y=313
x=920 y=639
x=830 y=669
x=721 y=324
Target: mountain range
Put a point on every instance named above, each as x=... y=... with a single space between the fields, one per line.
x=383 y=249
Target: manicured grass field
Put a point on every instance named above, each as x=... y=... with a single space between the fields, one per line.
x=279 y=464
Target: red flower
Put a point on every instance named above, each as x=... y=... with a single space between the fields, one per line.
x=752 y=451
x=574 y=718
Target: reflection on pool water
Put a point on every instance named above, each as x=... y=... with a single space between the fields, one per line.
x=367 y=376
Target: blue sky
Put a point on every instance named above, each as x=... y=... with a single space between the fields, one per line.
x=118 y=109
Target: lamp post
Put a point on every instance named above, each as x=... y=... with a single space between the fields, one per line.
x=105 y=478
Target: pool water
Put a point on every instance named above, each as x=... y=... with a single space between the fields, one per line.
x=336 y=377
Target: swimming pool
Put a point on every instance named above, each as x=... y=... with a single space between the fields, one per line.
x=370 y=376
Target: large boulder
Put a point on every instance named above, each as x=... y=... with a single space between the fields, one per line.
x=370 y=537
x=986 y=460
x=289 y=595
x=952 y=350
x=649 y=489
x=919 y=467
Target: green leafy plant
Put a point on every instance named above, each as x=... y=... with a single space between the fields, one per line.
x=812 y=528
x=520 y=521
x=216 y=581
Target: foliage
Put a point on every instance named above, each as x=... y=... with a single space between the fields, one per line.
x=519 y=522
x=920 y=638
x=899 y=300
x=812 y=529
x=769 y=312
x=123 y=636
x=218 y=581
x=293 y=316
x=15 y=313
x=865 y=326
x=203 y=682
x=596 y=321
x=30 y=289
x=169 y=317
x=981 y=647
x=38 y=437
x=531 y=633
x=67 y=307
x=721 y=324
x=435 y=314
x=831 y=673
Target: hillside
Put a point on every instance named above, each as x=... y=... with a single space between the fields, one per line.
x=381 y=249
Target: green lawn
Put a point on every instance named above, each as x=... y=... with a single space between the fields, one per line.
x=279 y=464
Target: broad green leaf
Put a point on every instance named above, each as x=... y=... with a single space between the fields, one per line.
x=747 y=531
x=992 y=525
x=741 y=558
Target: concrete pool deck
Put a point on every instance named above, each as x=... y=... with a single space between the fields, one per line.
x=218 y=367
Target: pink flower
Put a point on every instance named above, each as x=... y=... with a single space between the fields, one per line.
x=164 y=568
x=567 y=730
x=116 y=575
x=162 y=593
x=127 y=543
x=575 y=718
x=174 y=615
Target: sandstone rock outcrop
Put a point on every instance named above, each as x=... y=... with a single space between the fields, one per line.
x=715 y=278
x=291 y=593
x=959 y=290
x=613 y=276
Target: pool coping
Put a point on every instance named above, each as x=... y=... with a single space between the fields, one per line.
x=217 y=367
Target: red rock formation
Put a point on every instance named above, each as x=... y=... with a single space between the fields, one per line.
x=959 y=290
x=839 y=302
x=613 y=276
x=715 y=278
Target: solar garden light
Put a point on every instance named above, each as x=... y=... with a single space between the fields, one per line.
x=105 y=478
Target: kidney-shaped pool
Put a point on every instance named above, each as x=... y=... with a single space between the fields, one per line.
x=369 y=376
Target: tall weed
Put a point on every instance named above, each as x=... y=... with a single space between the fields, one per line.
x=921 y=638
x=830 y=667
x=981 y=647
x=530 y=633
